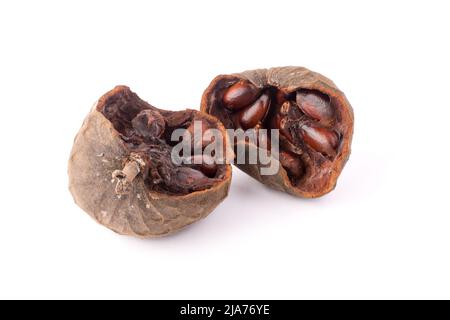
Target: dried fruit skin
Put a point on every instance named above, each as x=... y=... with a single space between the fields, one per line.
x=315 y=122
x=100 y=151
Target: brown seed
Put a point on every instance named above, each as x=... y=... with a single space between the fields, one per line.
x=315 y=104
x=149 y=124
x=191 y=179
x=291 y=164
x=320 y=139
x=255 y=113
x=240 y=95
x=205 y=164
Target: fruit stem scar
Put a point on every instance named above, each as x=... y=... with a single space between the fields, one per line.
x=126 y=176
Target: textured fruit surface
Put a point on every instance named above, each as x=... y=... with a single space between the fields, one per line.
x=123 y=137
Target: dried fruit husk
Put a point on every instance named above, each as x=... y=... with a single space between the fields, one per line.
x=320 y=173
x=99 y=151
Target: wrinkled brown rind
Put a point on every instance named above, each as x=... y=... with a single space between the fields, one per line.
x=291 y=79
x=97 y=152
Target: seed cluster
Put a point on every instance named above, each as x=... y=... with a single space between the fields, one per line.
x=313 y=117
x=305 y=119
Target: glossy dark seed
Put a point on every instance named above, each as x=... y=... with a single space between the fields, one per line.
x=320 y=139
x=315 y=104
x=240 y=95
x=255 y=113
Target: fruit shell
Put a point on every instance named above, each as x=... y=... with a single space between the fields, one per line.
x=291 y=79
x=97 y=152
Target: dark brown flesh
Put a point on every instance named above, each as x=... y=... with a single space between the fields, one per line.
x=307 y=121
x=146 y=131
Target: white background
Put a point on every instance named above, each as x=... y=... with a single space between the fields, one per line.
x=383 y=233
